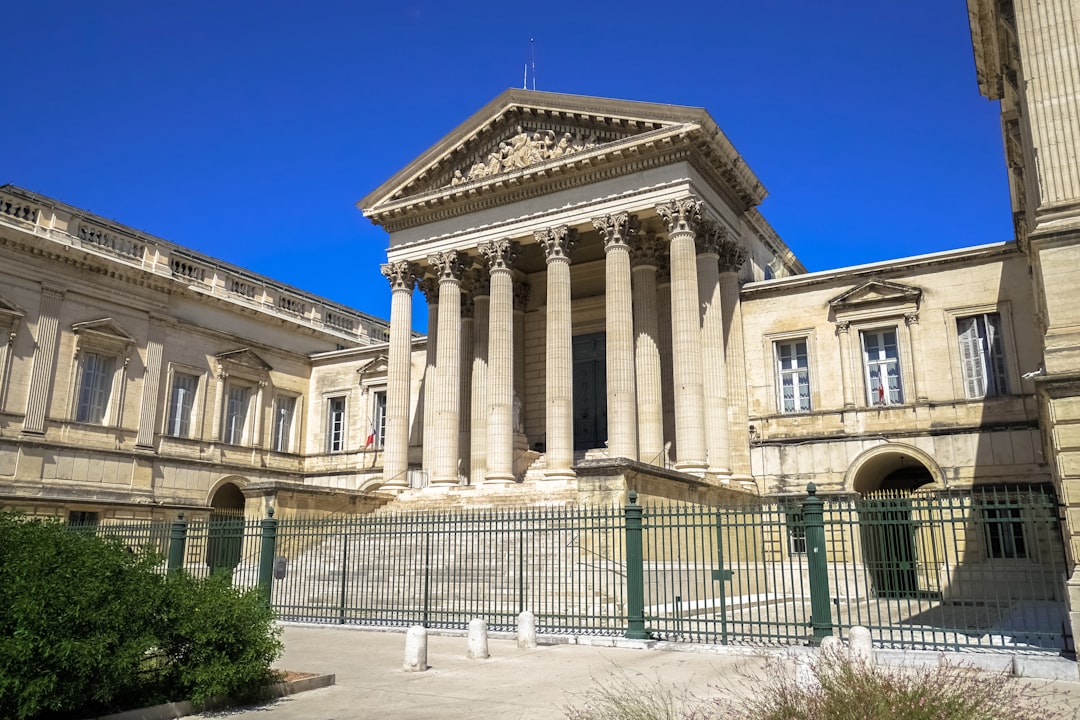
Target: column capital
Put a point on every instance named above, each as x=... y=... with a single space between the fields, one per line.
x=429 y=285
x=557 y=242
x=842 y=327
x=682 y=215
x=617 y=230
x=710 y=237
x=663 y=269
x=732 y=255
x=500 y=254
x=522 y=291
x=449 y=265
x=647 y=250
x=911 y=318
x=401 y=274
x=479 y=281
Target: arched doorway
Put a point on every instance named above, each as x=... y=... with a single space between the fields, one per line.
x=225 y=532
x=885 y=477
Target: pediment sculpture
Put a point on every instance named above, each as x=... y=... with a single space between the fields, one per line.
x=524 y=149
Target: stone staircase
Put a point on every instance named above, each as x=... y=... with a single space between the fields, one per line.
x=489 y=563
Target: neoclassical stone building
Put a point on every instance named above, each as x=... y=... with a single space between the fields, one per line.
x=581 y=260
x=607 y=309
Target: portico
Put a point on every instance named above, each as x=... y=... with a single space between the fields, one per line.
x=557 y=220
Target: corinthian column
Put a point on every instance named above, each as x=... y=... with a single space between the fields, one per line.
x=468 y=333
x=449 y=267
x=430 y=287
x=681 y=218
x=402 y=277
x=616 y=232
x=500 y=255
x=732 y=257
x=712 y=347
x=559 y=416
x=478 y=432
x=667 y=383
x=645 y=256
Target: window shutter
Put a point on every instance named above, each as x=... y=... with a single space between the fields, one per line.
x=971 y=358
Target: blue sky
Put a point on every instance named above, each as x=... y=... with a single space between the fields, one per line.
x=248 y=130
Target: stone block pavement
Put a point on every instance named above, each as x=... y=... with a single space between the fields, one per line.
x=517 y=684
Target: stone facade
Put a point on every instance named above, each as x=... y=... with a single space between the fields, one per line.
x=138 y=378
x=608 y=310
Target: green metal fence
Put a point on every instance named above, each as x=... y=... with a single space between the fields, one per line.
x=970 y=569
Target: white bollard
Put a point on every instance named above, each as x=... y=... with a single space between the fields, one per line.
x=805 y=675
x=862 y=646
x=832 y=647
x=478 y=644
x=526 y=630
x=415 y=649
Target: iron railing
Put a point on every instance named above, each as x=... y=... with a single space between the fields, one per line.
x=949 y=570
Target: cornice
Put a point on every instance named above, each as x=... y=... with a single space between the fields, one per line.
x=848 y=275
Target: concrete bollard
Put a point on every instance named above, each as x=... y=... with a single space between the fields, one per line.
x=526 y=630
x=415 y=649
x=805 y=674
x=478 y=644
x=832 y=647
x=862 y=646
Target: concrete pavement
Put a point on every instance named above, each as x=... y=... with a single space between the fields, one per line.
x=532 y=684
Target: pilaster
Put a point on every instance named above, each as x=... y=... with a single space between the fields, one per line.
x=42 y=375
x=151 y=381
x=732 y=257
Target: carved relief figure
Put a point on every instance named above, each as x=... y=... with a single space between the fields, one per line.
x=524 y=149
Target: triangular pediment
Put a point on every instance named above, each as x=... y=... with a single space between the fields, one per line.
x=105 y=328
x=10 y=309
x=244 y=358
x=876 y=293
x=524 y=132
x=374 y=368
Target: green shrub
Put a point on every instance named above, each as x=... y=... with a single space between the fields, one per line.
x=89 y=626
x=77 y=614
x=217 y=640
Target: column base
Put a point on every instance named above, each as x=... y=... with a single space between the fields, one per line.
x=445 y=482
x=560 y=474
x=500 y=479
x=692 y=467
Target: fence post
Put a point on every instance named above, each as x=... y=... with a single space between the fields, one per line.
x=266 y=555
x=817 y=563
x=177 y=539
x=635 y=576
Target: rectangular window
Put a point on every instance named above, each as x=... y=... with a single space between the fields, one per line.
x=237 y=403
x=982 y=355
x=335 y=424
x=793 y=373
x=95 y=386
x=83 y=518
x=283 y=422
x=378 y=419
x=881 y=360
x=181 y=402
x=796 y=533
x=1004 y=533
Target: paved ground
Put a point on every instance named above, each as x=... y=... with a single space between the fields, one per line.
x=515 y=684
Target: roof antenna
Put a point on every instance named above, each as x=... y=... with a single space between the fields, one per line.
x=532 y=49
